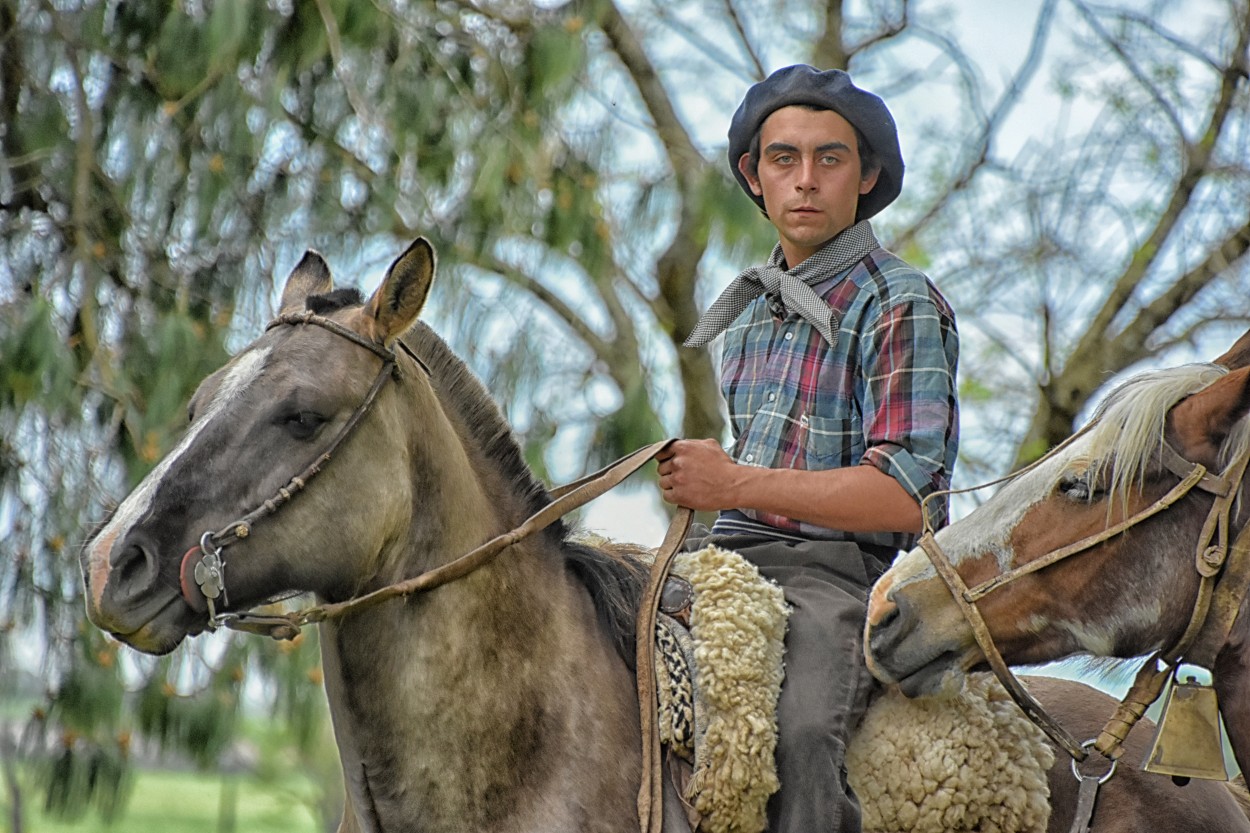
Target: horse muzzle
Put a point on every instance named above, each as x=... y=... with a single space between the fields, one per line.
x=127 y=596
x=918 y=654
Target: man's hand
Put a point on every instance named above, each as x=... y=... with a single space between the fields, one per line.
x=698 y=474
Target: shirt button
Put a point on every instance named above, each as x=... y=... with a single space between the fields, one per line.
x=750 y=458
x=789 y=336
x=772 y=397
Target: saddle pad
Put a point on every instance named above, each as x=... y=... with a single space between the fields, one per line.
x=737 y=629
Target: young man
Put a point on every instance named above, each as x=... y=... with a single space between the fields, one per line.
x=838 y=370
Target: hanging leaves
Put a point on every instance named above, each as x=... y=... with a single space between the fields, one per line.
x=35 y=360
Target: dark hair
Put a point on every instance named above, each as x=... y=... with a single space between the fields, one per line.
x=868 y=159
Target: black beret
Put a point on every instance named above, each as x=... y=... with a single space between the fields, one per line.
x=831 y=90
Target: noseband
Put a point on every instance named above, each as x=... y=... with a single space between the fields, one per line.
x=1224 y=575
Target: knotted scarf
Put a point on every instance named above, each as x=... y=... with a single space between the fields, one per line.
x=793 y=287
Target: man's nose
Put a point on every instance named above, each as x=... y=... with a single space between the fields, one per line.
x=806 y=180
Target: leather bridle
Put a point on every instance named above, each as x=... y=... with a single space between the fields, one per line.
x=209 y=570
x=1224 y=574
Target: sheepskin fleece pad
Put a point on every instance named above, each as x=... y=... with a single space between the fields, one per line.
x=738 y=622
x=971 y=762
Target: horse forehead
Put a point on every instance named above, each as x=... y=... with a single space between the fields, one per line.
x=989 y=528
x=992 y=524
x=240 y=374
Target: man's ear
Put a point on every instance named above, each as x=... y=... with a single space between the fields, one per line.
x=869 y=182
x=744 y=168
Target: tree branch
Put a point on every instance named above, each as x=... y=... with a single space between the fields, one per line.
x=1095 y=343
x=677 y=268
x=683 y=156
x=978 y=156
x=830 y=52
x=601 y=347
x=1131 y=65
x=757 y=65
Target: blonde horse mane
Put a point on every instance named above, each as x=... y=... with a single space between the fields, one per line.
x=1127 y=429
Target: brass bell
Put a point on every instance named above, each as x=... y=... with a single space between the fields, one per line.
x=1189 y=741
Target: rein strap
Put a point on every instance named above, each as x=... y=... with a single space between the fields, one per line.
x=285 y=626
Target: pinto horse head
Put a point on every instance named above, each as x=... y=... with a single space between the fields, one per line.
x=254 y=425
x=1123 y=597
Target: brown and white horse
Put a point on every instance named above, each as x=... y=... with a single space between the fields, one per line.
x=1123 y=597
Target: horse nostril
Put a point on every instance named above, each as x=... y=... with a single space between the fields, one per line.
x=134 y=570
x=886 y=615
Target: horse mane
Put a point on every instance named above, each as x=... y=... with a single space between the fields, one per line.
x=611 y=574
x=1127 y=429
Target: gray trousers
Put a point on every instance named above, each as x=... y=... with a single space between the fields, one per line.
x=827 y=685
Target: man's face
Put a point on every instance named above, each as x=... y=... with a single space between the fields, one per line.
x=809 y=177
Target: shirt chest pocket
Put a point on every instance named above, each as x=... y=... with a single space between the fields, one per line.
x=832 y=441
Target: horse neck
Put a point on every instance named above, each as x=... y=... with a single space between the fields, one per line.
x=495 y=701
x=1231 y=674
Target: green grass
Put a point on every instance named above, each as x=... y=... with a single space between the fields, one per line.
x=185 y=802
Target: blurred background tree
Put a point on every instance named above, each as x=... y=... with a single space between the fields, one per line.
x=1082 y=201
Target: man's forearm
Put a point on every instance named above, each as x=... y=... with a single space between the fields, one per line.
x=854 y=499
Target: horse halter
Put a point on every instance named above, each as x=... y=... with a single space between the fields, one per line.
x=1203 y=636
x=209 y=570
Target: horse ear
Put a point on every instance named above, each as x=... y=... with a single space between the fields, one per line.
x=1201 y=422
x=311 y=276
x=1238 y=355
x=396 y=303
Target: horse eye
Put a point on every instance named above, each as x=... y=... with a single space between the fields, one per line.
x=303 y=425
x=1076 y=487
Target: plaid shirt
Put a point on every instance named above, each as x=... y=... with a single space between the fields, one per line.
x=883 y=395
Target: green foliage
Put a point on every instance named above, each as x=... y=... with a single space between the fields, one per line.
x=973 y=391
x=81 y=777
x=166 y=366
x=159 y=162
x=35 y=360
x=554 y=57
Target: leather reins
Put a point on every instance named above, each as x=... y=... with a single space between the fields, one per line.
x=209 y=570
x=1224 y=575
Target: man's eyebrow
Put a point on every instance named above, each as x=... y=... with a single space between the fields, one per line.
x=778 y=147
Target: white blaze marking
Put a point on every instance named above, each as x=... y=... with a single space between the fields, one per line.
x=245 y=370
x=988 y=529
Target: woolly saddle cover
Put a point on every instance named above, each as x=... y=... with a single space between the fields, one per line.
x=738 y=627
